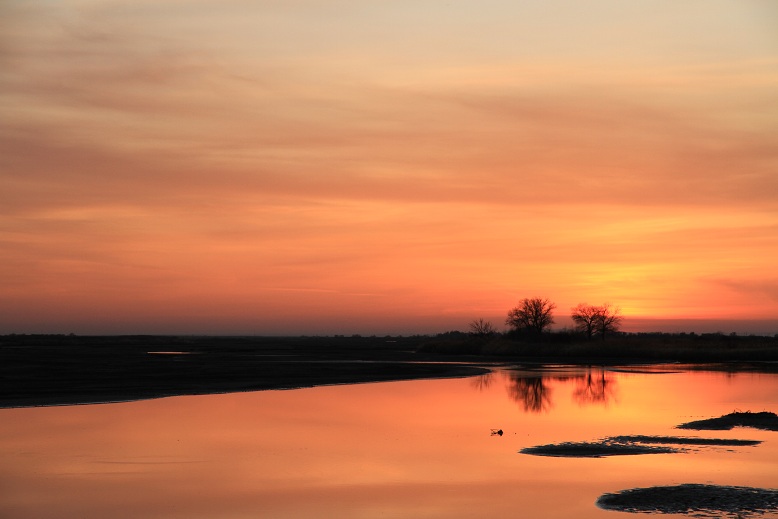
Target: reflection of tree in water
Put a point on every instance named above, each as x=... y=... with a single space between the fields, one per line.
x=531 y=392
x=483 y=382
x=594 y=388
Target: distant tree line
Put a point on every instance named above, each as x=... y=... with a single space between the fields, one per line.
x=534 y=315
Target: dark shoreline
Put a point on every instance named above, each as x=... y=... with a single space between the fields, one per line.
x=69 y=370
x=47 y=370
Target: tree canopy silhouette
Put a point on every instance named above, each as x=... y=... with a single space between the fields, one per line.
x=609 y=320
x=585 y=318
x=591 y=319
x=532 y=314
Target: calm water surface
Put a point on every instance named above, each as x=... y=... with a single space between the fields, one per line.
x=399 y=449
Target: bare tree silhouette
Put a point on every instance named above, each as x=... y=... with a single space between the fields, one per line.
x=609 y=320
x=532 y=314
x=585 y=318
x=482 y=328
x=591 y=319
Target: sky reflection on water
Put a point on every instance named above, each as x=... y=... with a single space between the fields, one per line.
x=401 y=449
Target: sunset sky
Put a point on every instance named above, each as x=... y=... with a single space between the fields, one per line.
x=356 y=166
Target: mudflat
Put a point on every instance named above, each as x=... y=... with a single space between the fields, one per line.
x=60 y=369
x=694 y=499
x=764 y=420
x=631 y=445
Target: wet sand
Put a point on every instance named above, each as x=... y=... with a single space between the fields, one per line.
x=61 y=370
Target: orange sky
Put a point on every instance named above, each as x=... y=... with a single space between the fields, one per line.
x=346 y=166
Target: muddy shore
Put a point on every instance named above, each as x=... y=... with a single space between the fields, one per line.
x=42 y=370
x=63 y=370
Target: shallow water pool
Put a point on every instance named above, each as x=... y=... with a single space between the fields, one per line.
x=400 y=449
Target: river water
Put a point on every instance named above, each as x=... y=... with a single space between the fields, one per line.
x=415 y=449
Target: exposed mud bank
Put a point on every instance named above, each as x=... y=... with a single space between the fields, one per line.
x=696 y=499
x=765 y=420
x=630 y=445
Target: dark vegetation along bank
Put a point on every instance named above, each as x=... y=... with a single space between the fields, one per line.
x=595 y=337
x=571 y=346
x=68 y=369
